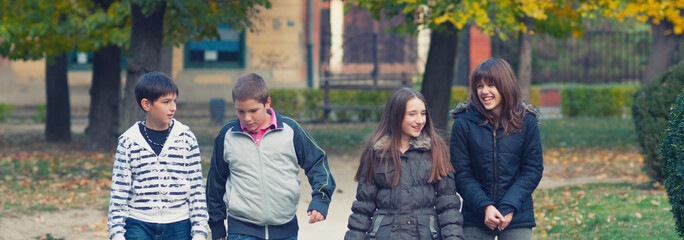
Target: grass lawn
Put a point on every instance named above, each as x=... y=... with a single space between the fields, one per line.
x=603 y=211
x=599 y=132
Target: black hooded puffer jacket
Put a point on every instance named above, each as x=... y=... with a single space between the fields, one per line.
x=495 y=170
x=414 y=209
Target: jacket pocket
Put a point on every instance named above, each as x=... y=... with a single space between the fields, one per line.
x=381 y=228
x=383 y=177
x=428 y=228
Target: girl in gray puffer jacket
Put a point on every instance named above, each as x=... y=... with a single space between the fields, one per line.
x=406 y=187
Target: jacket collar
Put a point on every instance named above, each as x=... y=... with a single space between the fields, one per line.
x=422 y=142
x=134 y=133
x=278 y=124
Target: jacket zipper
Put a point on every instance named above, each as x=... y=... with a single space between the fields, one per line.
x=495 y=166
x=261 y=171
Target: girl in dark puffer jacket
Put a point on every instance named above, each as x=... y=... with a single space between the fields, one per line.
x=497 y=155
x=406 y=187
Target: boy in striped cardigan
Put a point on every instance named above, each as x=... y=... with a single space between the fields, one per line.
x=157 y=186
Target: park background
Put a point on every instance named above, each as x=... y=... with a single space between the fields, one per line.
x=332 y=69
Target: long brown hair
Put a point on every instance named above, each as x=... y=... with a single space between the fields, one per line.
x=499 y=72
x=390 y=126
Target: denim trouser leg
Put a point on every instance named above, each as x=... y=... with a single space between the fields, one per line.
x=136 y=229
x=247 y=237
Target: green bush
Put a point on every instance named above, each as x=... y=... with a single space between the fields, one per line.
x=596 y=101
x=41 y=115
x=297 y=103
x=672 y=150
x=650 y=111
x=534 y=95
x=5 y=111
x=458 y=95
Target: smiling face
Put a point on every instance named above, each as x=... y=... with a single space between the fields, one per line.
x=489 y=96
x=253 y=115
x=414 y=119
x=160 y=112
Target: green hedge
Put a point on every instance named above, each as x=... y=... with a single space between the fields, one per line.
x=304 y=104
x=5 y=111
x=297 y=103
x=650 y=111
x=596 y=101
x=672 y=150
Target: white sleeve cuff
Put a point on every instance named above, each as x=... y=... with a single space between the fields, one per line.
x=118 y=237
x=199 y=237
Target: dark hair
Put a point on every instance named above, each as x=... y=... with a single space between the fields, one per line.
x=250 y=86
x=390 y=125
x=499 y=72
x=152 y=86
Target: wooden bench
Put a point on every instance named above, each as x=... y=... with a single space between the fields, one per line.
x=359 y=82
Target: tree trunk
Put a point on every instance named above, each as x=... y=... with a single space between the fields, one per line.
x=105 y=94
x=525 y=61
x=664 y=47
x=439 y=73
x=146 y=43
x=58 y=121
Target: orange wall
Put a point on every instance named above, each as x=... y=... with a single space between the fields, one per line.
x=480 y=47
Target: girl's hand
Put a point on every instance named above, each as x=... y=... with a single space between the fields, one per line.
x=505 y=221
x=493 y=217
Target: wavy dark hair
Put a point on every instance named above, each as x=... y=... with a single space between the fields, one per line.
x=390 y=126
x=499 y=72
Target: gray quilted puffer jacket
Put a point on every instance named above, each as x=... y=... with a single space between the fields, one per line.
x=414 y=209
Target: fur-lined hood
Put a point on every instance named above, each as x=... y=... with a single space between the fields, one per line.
x=465 y=107
x=421 y=142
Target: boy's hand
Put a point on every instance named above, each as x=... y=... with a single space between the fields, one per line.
x=315 y=216
x=223 y=238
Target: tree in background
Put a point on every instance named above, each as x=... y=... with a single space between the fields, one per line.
x=446 y=17
x=33 y=30
x=667 y=26
x=161 y=23
x=105 y=33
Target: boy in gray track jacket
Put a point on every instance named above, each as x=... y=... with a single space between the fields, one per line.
x=254 y=170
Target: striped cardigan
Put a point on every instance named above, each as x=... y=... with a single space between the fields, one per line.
x=158 y=189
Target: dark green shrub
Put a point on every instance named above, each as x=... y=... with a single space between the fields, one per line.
x=343 y=98
x=285 y=101
x=596 y=101
x=5 y=111
x=650 y=111
x=458 y=95
x=41 y=115
x=313 y=99
x=672 y=151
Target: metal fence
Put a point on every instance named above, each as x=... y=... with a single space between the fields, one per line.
x=372 y=54
x=597 y=57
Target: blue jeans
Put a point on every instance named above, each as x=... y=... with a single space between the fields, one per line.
x=247 y=237
x=136 y=229
x=475 y=233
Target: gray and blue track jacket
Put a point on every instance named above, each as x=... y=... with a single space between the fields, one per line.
x=162 y=188
x=259 y=185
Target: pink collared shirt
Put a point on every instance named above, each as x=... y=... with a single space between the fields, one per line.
x=257 y=135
